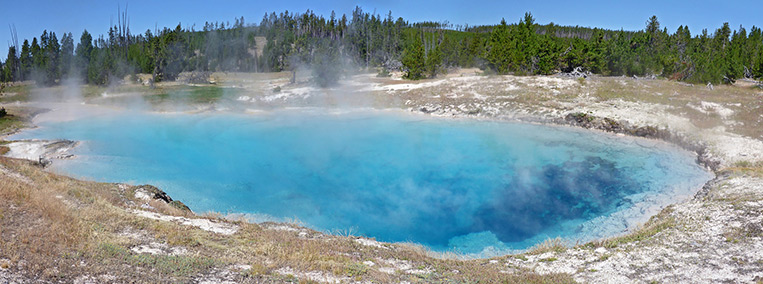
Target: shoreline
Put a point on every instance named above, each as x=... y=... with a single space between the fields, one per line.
x=685 y=241
x=51 y=150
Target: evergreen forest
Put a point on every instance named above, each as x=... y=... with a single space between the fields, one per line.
x=332 y=46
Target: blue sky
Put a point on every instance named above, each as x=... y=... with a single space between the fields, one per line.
x=31 y=17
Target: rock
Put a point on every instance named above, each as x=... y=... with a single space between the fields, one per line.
x=150 y=192
x=645 y=131
x=579 y=119
x=611 y=125
x=586 y=120
x=43 y=162
x=199 y=77
x=154 y=192
x=179 y=205
x=425 y=109
x=578 y=72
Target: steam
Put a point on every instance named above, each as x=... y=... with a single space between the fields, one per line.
x=446 y=184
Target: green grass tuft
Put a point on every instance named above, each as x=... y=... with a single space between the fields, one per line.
x=181 y=266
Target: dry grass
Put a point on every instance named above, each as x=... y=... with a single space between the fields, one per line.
x=549 y=245
x=655 y=225
x=15 y=92
x=15 y=119
x=744 y=100
x=539 y=95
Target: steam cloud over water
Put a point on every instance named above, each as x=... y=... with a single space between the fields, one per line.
x=462 y=185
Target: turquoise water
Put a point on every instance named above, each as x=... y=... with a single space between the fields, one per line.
x=477 y=187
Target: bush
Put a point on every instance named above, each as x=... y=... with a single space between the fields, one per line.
x=3 y=113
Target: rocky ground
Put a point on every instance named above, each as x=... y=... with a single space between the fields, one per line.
x=716 y=236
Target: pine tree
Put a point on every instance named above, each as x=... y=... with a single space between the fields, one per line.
x=67 y=54
x=327 y=68
x=11 y=67
x=525 y=43
x=450 y=51
x=52 y=60
x=25 y=59
x=413 y=59
x=498 y=49
x=652 y=25
x=547 y=56
x=98 y=67
x=433 y=62
x=595 y=61
x=38 y=58
x=473 y=47
x=82 y=54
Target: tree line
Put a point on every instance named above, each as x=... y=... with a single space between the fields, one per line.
x=328 y=46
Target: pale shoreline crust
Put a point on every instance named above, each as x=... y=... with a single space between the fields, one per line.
x=712 y=237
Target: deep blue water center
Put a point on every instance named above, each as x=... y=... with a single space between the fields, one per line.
x=451 y=184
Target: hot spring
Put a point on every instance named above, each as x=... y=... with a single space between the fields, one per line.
x=460 y=185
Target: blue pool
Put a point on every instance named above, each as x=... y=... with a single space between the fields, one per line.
x=469 y=186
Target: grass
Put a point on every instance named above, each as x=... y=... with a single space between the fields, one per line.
x=15 y=93
x=655 y=225
x=164 y=264
x=748 y=164
x=206 y=94
x=189 y=94
x=11 y=123
x=92 y=91
x=549 y=245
